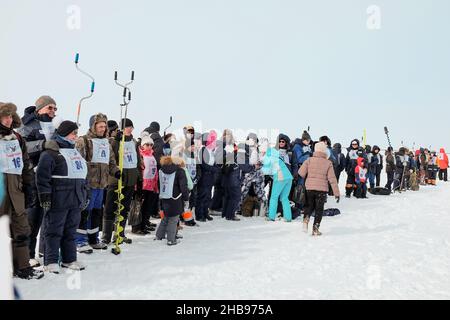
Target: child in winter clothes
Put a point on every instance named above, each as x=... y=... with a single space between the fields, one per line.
x=150 y=191
x=174 y=195
x=320 y=173
x=361 y=179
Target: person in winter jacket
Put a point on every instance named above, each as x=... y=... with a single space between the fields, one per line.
x=96 y=149
x=401 y=166
x=232 y=173
x=375 y=166
x=37 y=128
x=207 y=178
x=63 y=193
x=158 y=141
x=131 y=177
x=351 y=163
x=174 y=195
x=275 y=166
x=443 y=165
x=433 y=168
x=193 y=167
x=150 y=189
x=361 y=178
x=301 y=151
x=16 y=171
x=320 y=173
x=390 y=167
x=340 y=160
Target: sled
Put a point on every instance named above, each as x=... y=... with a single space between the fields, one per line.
x=379 y=191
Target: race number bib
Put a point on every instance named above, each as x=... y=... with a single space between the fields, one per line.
x=76 y=165
x=129 y=155
x=47 y=129
x=362 y=175
x=191 y=166
x=150 y=168
x=100 y=151
x=11 y=157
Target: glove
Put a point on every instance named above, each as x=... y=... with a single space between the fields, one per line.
x=186 y=206
x=337 y=199
x=117 y=175
x=45 y=200
x=119 y=135
x=85 y=204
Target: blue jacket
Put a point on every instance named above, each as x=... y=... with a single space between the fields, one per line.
x=272 y=164
x=62 y=192
x=300 y=153
x=31 y=131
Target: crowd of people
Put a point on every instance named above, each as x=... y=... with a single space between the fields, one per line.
x=64 y=187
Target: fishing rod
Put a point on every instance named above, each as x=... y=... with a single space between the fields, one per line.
x=77 y=59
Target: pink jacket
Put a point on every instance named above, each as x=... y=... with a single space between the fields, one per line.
x=150 y=171
x=318 y=171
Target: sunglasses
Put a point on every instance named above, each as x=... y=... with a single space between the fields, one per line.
x=51 y=108
x=282 y=141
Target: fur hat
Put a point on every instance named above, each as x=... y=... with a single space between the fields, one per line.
x=10 y=109
x=321 y=147
x=44 y=101
x=96 y=118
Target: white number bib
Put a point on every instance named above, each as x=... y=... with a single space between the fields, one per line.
x=47 y=129
x=100 y=151
x=129 y=155
x=76 y=165
x=11 y=157
x=150 y=167
x=191 y=166
x=362 y=174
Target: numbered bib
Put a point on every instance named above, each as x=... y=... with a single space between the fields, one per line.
x=191 y=166
x=100 y=151
x=129 y=155
x=166 y=182
x=76 y=165
x=362 y=174
x=47 y=129
x=353 y=154
x=150 y=167
x=11 y=157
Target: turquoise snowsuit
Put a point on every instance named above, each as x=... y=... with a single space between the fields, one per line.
x=272 y=165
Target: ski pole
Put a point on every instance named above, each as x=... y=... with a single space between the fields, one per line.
x=77 y=59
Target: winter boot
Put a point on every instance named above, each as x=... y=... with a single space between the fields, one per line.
x=316 y=231
x=85 y=248
x=52 y=268
x=305 y=224
x=108 y=227
x=172 y=243
x=99 y=246
x=76 y=265
x=29 y=273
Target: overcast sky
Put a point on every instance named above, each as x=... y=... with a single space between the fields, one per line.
x=241 y=64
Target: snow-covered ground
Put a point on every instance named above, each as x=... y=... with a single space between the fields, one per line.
x=385 y=247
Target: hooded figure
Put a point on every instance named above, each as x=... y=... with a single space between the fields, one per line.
x=390 y=167
x=375 y=166
x=15 y=171
x=443 y=165
x=96 y=149
x=361 y=178
x=300 y=153
x=63 y=193
x=174 y=195
x=340 y=160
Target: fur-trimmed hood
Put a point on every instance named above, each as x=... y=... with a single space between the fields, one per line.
x=170 y=164
x=99 y=117
x=10 y=109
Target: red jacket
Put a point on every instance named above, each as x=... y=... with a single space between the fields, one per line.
x=443 y=159
x=360 y=171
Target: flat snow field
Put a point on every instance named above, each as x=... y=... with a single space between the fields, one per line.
x=384 y=247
